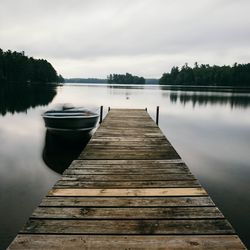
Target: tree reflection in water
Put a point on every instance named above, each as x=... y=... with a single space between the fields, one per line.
x=199 y=99
x=15 y=98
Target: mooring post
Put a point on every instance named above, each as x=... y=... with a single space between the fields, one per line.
x=157 y=115
x=146 y=109
x=108 y=109
x=101 y=112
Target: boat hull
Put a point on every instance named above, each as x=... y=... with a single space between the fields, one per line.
x=84 y=124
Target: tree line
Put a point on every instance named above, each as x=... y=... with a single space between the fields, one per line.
x=15 y=67
x=85 y=80
x=204 y=74
x=125 y=79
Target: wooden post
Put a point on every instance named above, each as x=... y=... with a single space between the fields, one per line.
x=146 y=109
x=101 y=113
x=108 y=109
x=157 y=115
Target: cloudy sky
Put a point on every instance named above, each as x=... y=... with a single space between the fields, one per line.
x=92 y=38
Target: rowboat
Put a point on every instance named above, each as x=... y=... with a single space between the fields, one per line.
x=67 y=118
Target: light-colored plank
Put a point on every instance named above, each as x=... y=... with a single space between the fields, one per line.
x=128 y=192
x=69 y=242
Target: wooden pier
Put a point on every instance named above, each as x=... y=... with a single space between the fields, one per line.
x=129 y=189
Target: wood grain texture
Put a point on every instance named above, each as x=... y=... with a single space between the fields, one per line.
x=127 y=213
x=126 y=171
x=127 y=201
x=128 y=176
x=128 y=192
x=108 y=242
x=127 y=184
x=129 y=227
x=164 y=162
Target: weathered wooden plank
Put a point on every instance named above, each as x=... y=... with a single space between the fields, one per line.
x=131 y=144
x=175 y=169
x=119 y=121
x=125 y=134
x=139 y=168
x=136 y=123
x=129 y=138
x=100 y=148
x=124 y=177
x=132 y=116
x=121 y=111
x=127 y=201
x=130 y=120
x=188 y=242
x=141 y=152
x=105 y=151
x=128 y=227
x=105 y=171
x=129 y=155
x=127 y=184
x=129 y=162
x=127 y=150
x=133 y=128
x=128 y=131
x=129 y=192
x=127 y=213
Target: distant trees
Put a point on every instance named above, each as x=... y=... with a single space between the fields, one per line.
x=125 y=79
x=15 y=67
x=204 y=74
x=85 y=80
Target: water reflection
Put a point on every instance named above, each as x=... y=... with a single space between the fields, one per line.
x=124 y=86
x=17 y=98
x=223 y=89
x=212 y=98
x=212 y=138
x=60 y=150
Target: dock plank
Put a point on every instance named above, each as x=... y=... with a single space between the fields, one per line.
x=129 y=227
x=128 y=192
x=127 y=213
x=129 y=171
x=127 y=184
x=111 y=176
x=111 y=242
x=127 y=201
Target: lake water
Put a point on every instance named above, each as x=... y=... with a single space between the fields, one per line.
x=210 y=129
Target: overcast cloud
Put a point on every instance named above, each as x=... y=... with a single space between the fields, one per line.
x=92 y=38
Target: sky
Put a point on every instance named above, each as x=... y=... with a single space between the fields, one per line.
x=93 y=38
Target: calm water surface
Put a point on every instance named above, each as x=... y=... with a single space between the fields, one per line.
x=210 y=128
